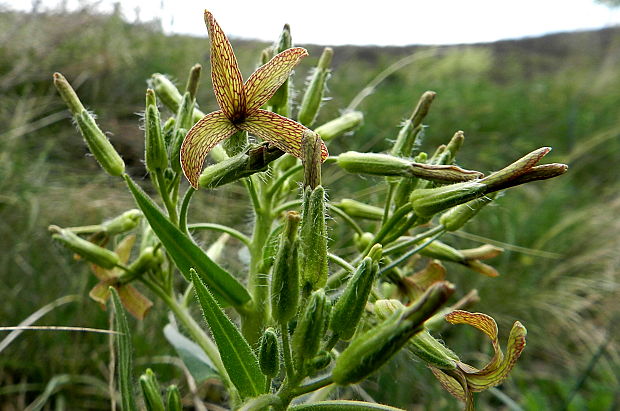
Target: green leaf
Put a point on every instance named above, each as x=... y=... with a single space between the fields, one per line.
x=194 y=358
x=237 y=355
x=123 y=352
x=342 y=405
x=186 y=254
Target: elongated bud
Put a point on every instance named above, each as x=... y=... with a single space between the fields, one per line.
x=151 y=391
x=154 y=147
x=122 y=223
x=193 y=81
x=362 y=241
x=280 y=100
x=456 y=217
x=97 y=142
x=340 y=125
x=430 y=201
x=285 y=274
x=236 y=143
x=350 y=306
x=444 y=252
x=313 y=97
x=311 y=158
x=503 y=177
x=370 y=350
x=173 y=399
x=269 y=354
x=97 y=255
x=170 y=95
x=406 y=140
x=454 y=145
x=311 y=327
x=313 y=239
x=360 y=210
x=320 y=361
x=270 y=249
x=146 y=260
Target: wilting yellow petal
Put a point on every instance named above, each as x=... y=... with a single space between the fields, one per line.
x=100 y=293
x=280 y=131
x=225 y=74
x=266 y=80
x=497 y=370
x=133 y=301
x=210 y=130
x=123 y=249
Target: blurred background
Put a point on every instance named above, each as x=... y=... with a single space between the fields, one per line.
x=513 y=78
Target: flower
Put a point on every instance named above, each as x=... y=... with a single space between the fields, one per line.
x=136 y=303
x=465 y=379
x=240 y=104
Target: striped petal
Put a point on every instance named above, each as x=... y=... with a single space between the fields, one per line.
x=266 y=80
x=280 y=131
x=206 y=134
x=225 y=74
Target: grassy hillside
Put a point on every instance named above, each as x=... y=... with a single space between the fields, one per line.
x=559 y=275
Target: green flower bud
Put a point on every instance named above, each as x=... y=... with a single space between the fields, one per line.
x=280 y=100
x=429 y=201
x=236 y=143
x=370 y=350
x=270 y=249
x=154 y=147
x=313 y=239
x=456 y=217
x=313 y=97
x=173 y=400
x=193 y=80
x=146 y=260
x=285 y=274
x=374 y=164
x=322 y=360
x=407 y=136
x=407 y=185
x=170 y=95
x=311 y=158
x=340 y=125
x=363 y=241
x=68 y=94
x=360 y=210
x=123 y=223
x=311 y=327
x=99 y=145
x=91 y=252
x=350 y=306
x=151 y=391
x=442 y=251
x=269 y=354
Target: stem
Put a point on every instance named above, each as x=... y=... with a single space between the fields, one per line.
x=388 y=203
x=286 y=351
x=223 y=228
x=410 y=253
x=278 y=183
x=184 y=207
x=165 y=196
x=347 y=219
x=341 y=262
x=313 y=386
x=251 y=187
x=413 y=240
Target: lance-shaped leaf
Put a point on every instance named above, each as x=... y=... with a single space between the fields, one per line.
x=240 y=104
x=186 y=254
x=344 y=405
x=124 y=354
x=237 y=355
x=194 y=358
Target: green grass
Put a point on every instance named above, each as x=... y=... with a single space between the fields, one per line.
x=509 y=98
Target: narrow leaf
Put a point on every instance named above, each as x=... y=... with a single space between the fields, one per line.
x=194 y=358
x=237 y=355
x=186 y=254
x=123 y=352
x=343 y=405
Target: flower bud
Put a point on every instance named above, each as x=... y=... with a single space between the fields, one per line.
x=224 y=172
x=193 y=81
x=374 y=164
x=320 y=361
x=350 y=306
x=146 y=260
x=97 y=255
x=285 y=274
x=313 y=239
x=173 y=400
x=269 y=354
x=406 y=140
x=311 y=158
x=456 y=217
x=280 y=100
x=407 y=185
x=170 y=95
x=429 y=201
x=155 y=149
x=340 y=125
x=236 y=143
x=123 y=223
x=311 y=327
x=151 y=391
x=363 y=241
x=313 y=97
x=360 y=210
x=442 y=251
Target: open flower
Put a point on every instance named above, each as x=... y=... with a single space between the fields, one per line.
x=240 y=105
x=465 y=379
x=133 y=301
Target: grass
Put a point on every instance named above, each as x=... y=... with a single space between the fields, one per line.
x=507 y=97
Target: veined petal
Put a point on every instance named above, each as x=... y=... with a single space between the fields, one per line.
x=266 y=80
x=225 y=74
x=123 y=249
x=280 y=131
x=497 y=370
x=100 y=292
x=133 y=301
x=210 y=130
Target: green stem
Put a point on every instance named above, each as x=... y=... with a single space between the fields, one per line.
x=413 y=240
x=286 y=352
x=341 y=262
x=184 y=208
x=410 y=253
x=388 y=203
x=278 y=183
x=313 y=386
x=165 y=196
x=286 y=206
x=251 y=187
x=347 y=219
x=223 y=228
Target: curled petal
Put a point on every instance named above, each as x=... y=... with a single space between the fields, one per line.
x=123 y=249
x=280 y=131
x=100 y=293
x=455 y=384
x=266 y=80
x=225 y=74
x=134 y=302
x=497 y=370
x=201 y=138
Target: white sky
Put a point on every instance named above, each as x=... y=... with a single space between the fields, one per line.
x=383 y=22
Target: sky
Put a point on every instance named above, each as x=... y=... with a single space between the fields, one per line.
x=383 y=22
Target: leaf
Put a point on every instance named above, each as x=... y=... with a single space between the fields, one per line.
x=123 y=350
x=186 y=254
x=343 y=405
x=237 y=355
x=194 y=358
